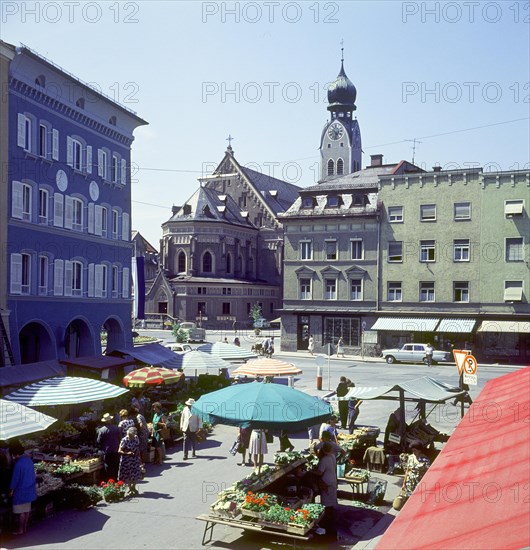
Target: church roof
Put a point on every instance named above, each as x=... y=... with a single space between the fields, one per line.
x=208 y=205
x=278 y=194
x=342 y=93
x=148 y=247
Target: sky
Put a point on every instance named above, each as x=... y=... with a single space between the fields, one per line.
x=454 y=76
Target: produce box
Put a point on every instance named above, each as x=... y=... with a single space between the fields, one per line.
x=89 y=464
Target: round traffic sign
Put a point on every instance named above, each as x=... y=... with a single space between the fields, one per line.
x=470 y=365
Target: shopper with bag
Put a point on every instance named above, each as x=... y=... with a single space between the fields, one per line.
x=258 y=448
x=417 y=465
x=159 y=424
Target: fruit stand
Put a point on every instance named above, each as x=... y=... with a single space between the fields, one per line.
x=262 y=502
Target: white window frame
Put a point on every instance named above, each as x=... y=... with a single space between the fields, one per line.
x=25 y=280
x=461 y=206
x=75 y=153
x=356 y=246
x=43 y=265
x=306 y=250
x=305 y=288
x=115 y=223
x=43 y=141
x=514 y=249
x=77 y=278
x=395 y=214
x=114 y=168
x=27 y=192
x=103 y=163
x=428 y=212
x=395 y=257
x=115 y=281
x=461 y=292
x=394 y=291
x=24 y=132
x=428 y=251
x=513 y=291
x=427 y=291
x=331 y=253
x=461 y=250
x=356 y=295
x=58 y=277
x=77 y=207
x=104 y=221
x=44 y=206
x=15 y=274
x=330 y=288
x=513 y=207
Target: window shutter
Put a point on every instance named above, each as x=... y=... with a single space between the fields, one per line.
x=125 y=283
x=58 y=277
x=68 y=276
x=90 y=280
x=125 y=226
x=69 y=151
x=90 y=216
x=89 y=159
x=55 y=144
x=99 y=281
x=100 y=162
x=16 y=200
x=123 y=171
x=58 y=209
x=16 y=274
x=68 y=212
x=21 y=136
x=99 y=224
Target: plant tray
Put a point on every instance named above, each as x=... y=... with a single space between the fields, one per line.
x=250 y=513
x=298 y=529
x=91 y=466
x=270 y=525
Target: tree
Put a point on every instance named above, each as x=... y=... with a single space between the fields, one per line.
x=255 y=314
x=182 y=335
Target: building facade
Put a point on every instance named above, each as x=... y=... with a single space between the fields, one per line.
x=69 y=207
x=221 y=252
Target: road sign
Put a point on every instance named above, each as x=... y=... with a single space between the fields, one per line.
x=470 y=379
x=460 y=358
x=470 y=365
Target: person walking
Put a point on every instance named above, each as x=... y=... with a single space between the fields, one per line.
x=108 y=440
x=311 y=344
x=23 y=486
x=429 y=350
x=340 y=347
x=190 y=424
x=327 y=473
x=159 y=423
x=244 y=444
x=258 y=448
x=130 y=464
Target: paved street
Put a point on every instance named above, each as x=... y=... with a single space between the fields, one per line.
x=173 y=494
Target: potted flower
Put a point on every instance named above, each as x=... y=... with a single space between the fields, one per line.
x=113 y=491
x=276 y=517
x=257 y=503
x=303 y=519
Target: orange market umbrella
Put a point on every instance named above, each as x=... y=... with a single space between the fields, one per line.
x=267 y=367
x=151 y=376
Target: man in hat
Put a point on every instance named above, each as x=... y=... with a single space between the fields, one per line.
x=108 y=440
x=190 y=424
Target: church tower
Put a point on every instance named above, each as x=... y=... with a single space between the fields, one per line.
x=340 y=143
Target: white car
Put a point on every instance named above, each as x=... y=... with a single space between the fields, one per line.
x=179 y=348
x=414 y=353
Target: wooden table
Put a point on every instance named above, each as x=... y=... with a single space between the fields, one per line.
x=358 y=487
x=245 y=525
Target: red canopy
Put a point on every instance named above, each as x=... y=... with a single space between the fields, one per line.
x=476 y=493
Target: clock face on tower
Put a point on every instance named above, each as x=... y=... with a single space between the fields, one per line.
x=335 y=131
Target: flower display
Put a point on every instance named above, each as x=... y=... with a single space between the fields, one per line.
x=113 y=491
x=282 y=458
x=277 y=514
x=259 y=502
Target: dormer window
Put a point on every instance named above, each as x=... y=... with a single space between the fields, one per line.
x=112 y=120
x=80 y=103
x=358 y=200
x=333 y=201
x=41 y=81
x=307 y=202
x=186 y=209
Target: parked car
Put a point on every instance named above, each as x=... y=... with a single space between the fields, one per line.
x=261 y=322
x=180 y=348
x=414 y=353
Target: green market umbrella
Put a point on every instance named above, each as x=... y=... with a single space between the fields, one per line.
x=262 y=405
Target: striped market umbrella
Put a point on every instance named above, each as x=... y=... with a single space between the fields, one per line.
x=17 y=420
x=228 y=352
x=64 y=390
x=152 y=376
x=267 y=367
x=200 y=360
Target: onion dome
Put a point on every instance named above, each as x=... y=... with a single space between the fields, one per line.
x=342 y=93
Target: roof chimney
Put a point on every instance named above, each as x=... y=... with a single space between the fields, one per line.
x=376 y=160
x=436 y=168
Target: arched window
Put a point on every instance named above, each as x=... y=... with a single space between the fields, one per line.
x=80 y=102
x=41 y=81
x=340 y=167
x=229 y=263
x=207 y=262
x=112 y=120
x=181 y=262
x=331 y=167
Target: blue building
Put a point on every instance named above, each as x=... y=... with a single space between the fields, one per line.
x=68 y=254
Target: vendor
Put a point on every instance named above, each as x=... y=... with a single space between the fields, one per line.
x=393 y=436
x=108 y=440
x=417 y=465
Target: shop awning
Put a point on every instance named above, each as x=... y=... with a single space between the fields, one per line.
x=504 y=326
x=456 y=325
x=150 y=354
x=100 y=362
x=32 y=372
x=406 y=324
x=469 y=496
